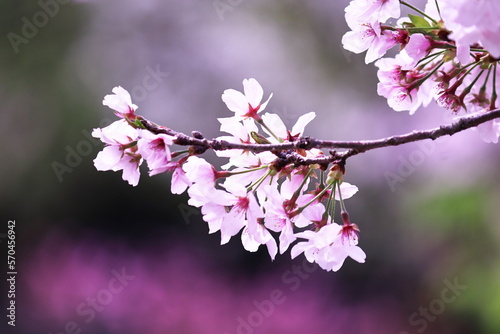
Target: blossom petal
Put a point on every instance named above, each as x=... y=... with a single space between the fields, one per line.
x=298 y=249
x=235 y=101
x=108 y=158
x=264 y=105
x=357 y=254
x=119 y=101
x=179 y=181
x=274 y=122
x=348 y=190
x=298 y=128
x=253 y=92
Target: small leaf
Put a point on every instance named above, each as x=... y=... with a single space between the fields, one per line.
x=259 y=139
x=419 y=21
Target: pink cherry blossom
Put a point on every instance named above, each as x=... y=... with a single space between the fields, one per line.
x=281 y=211
x=241 y=129
x=244 y=212
x=368 y=36
x=120 y=152
x=179 y=181
x=198 y=170
x=213 y=214
x=372 y=10
x=472 y=22
x=213 y=203
x=396 y=76
x=274 y=122
x=129 y=163
x=261 y=236
x=246 y=105
x=418 y=47
x=121 y=102
x=255 y=233
x=154 y=148
x=329 y=247
x=238 y=129
x=278 y=217
x=240 y=133
x=231 y=211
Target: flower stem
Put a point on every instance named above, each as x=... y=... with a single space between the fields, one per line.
x=469 y=87
x=419 y=82
x=419 y=11
x=297 y=192
x=429 y=58
x=261 y=122
x=494 y=91
x=229 y=173
x=483 y=87
x=178 y=153
x=257 y=183
x=438 y=9
x=418 y=29
x=342 y=205
x=316 y=197
x=331 y=201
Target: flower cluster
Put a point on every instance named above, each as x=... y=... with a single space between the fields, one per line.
x=127 y=145
x=265 y=196
x=277 y=188
x=448 y=53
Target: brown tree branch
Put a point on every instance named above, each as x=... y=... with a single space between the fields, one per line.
x=201 y=144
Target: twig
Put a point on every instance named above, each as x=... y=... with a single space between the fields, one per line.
x=305 y=143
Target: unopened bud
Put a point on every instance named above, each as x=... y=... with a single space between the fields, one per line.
x=259 y=139
x=347 y=221
x=345 y=217
x=197 y=135
x=336 y=174
x=134 y=121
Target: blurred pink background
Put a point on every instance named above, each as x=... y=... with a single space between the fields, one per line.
x=78 y=231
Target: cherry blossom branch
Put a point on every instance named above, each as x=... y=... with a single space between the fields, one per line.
x=286 y=150
x=286 y=182
x=459 y=125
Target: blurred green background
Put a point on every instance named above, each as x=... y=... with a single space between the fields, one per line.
x=428 y=213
